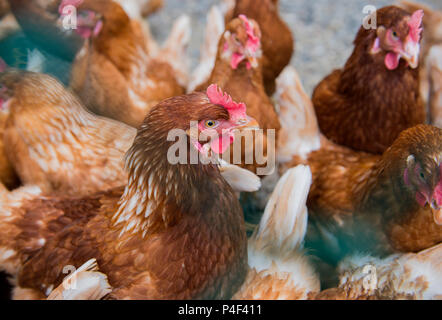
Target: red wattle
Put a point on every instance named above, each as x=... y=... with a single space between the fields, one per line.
x=392 y=60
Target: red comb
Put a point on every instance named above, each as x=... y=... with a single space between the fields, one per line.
x=65 y=3
x=253 y=40
x=415 y=25
x=217 y=96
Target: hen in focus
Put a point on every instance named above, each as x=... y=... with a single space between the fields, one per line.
x=375 y=96
x=277 y=39
x=175 y=232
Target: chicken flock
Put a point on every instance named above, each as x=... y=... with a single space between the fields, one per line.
x=87 y=184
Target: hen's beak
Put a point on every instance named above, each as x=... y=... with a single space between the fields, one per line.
x=437 y=212
x=247 y=123
x=411 y=53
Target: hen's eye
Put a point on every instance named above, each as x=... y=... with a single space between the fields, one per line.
x=422 y=175
x=395 y=36
x=211 y=123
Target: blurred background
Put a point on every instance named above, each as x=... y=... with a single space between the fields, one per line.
x=324 y=30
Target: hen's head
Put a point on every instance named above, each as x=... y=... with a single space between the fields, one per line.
x=91 y=15
x=241 y=42
x=419 y=150
x=397 y=36
x=207 y=119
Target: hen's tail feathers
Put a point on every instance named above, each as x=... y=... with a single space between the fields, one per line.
x=137 y=10
x=174 y=50
x=278 y=267
x=284 y=223
x=413 y=275
x=299 y=134
x=85 y=283
x=209 y=49
x=10 y=203
x=241 y=180
x=434 y=67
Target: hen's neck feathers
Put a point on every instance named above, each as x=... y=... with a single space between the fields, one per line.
x=122 y=42
x=159 y=193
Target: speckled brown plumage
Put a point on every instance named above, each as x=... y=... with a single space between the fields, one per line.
x=113 y=73
x=52 y=141
x=154 y=240
x=277 y=50
x=365 y=106
x=245 y=85
x=399 y=277
x=4 y=8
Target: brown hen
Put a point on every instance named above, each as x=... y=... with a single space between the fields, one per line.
x=375 y=96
